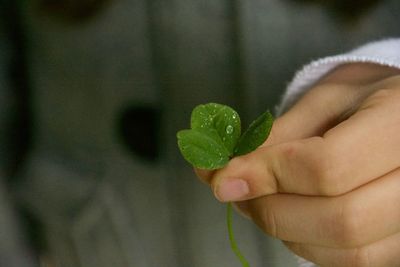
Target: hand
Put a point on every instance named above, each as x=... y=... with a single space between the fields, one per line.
x=327 y=181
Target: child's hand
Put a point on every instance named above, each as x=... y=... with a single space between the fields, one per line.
x=327 y=181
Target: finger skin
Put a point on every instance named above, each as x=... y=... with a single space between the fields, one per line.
x=204 y=175
x=323 y=105
x=312 y=110
x=383 y=253
x=330 y=101
x=367 y=145
x=353 y=153
x=357 y=218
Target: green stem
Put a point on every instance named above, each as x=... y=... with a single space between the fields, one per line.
x=234 y=246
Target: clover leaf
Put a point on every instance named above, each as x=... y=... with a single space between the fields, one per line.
x=220 y=118
x=255 y=135
x=204 y=150
x=214 y=138
x=210 y=143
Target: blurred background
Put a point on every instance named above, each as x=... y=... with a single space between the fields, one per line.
x=92 y=93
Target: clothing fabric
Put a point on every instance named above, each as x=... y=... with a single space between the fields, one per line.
x=384 y=52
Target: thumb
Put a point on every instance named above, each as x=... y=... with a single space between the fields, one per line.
x=291 y=167
x=255 y=174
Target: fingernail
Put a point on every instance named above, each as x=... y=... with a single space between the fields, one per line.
x=231 y=190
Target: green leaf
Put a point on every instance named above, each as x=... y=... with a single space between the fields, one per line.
x=202 y=149
x=255 y=135
x=215 y=138
x=203 y=115
x=220 y=118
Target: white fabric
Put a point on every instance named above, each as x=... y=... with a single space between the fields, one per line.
x=386 y=52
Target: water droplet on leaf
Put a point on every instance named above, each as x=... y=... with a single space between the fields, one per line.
x=229 y=129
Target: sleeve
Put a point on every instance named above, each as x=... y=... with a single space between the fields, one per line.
x=385 y=52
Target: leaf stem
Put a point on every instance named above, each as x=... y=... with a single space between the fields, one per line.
x=234 y=246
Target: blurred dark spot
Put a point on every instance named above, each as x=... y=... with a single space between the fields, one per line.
x=139 y=128
x=18 y=132
x=72 y=10
x=34 y=229
x=345 y=10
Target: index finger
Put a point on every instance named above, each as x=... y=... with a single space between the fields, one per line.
x=304 y=119
x=355 y=152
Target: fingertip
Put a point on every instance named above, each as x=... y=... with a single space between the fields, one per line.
x=204 y=176
x=221 y=177
x=231 y=190
x=246 y=177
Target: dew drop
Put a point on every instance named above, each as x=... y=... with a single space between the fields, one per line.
x=229 y=129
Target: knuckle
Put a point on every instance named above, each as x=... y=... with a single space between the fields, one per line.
x=315 y=160
x=319 y=160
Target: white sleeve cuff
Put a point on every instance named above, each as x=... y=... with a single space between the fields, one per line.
x=386 y=53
